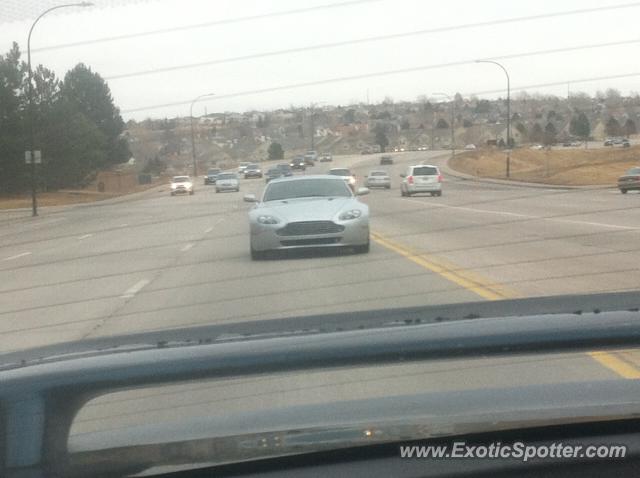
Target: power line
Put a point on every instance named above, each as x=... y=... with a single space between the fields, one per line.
x=388 y=73
x=392 y=36
x=227 y=21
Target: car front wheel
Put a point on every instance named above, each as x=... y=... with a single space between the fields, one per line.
x=623 y=191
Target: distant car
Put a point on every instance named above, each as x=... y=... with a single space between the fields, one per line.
x=422 y=178
x=273 y=173
x=348 y=176
x=626 y=144
x=298 y=164
x=310 y=157
x=386 y=160
x=566 y=144
x=252 y=171
x=181 y=185
x=423 y=148
x=308 y=212
x=211 y=176
x=378 y=179
x=227 y=182
x=285 y=168
x=608 y=142
x=326 y=158
x=629 y=181
x=470 y=147
x=242 y=167
x=537 y=147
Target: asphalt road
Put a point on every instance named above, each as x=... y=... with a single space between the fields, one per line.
x=153 y=261
x=156 y=261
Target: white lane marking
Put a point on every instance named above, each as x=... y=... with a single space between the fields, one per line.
x=187 y=247
x=529 y=216
x=208 y=230
x=17 y=256
x=86 y=236
x=134 y=289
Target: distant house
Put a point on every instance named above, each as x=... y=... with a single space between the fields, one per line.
x=351 y=129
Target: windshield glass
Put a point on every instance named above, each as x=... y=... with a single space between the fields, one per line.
x=132 y=217
x=301 y=188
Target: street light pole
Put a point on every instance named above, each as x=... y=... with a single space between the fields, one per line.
x=193 y=136
x=508 y=112
x=453 y=116
x=34 y=181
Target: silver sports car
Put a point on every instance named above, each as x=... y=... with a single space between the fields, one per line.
x=308 y=211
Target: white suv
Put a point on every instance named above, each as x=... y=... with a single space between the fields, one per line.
x=423 y=178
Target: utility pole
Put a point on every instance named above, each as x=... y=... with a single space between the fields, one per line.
x=193 y=135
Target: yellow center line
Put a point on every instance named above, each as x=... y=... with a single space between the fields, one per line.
x=467 y=279
x=619 y=366
x=489 y=290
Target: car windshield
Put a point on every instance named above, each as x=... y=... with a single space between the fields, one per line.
x=340 y=172
x=134 y=226
x=305 y=188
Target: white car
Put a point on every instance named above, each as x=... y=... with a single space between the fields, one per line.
x=181 y=185
x=242 y=167
x=470 y=147
x=378 y=179
x=422 y=178
x=227 y=182
x=308 y=212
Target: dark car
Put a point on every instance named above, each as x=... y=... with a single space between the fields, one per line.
x=285 y=168
x=298 y=163
x=273 y=173
x=386 y=160
x=630 y=180
x=252 y=171
x=608 y=142
x=626 y=144
x=211 y=176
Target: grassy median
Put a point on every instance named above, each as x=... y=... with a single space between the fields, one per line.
x=570 y=167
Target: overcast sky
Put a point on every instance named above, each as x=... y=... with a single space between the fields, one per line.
x=111 y=18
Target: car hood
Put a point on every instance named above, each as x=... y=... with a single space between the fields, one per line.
x=311 y=209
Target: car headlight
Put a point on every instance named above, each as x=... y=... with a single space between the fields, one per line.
x=348 y=215
x=266 y=219
x=173 y=186
x=352 y=180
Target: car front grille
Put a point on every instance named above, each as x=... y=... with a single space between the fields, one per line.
x=310 y=228
x=322 y=241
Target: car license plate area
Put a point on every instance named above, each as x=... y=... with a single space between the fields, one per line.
x=317 y=241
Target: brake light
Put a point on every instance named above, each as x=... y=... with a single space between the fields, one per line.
x=439 y=178
x=410 y=179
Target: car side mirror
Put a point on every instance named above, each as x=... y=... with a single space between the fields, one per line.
x=403 y=175
x=362 y=191
x=250 y=198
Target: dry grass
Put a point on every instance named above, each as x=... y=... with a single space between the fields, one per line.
x=571 y=167
x=63 y=198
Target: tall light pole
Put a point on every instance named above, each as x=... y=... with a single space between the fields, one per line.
x=453 y=116
x=193 y=135
x=508 y=112
x=34 y=181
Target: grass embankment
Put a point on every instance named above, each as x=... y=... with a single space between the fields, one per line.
x=63 y=198
x=571 y=167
